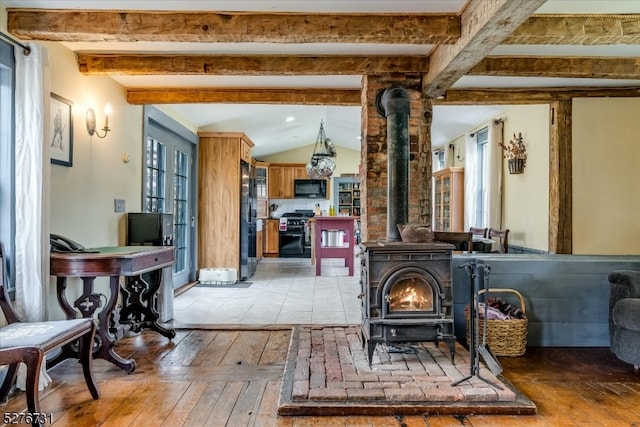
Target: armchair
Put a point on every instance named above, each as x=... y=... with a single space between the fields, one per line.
x=624 y=315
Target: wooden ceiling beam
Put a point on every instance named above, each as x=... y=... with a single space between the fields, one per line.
x=517 y=96
x=485 y=25
x=306 y=96
x=248 y=65
x=577 y=30
x=558 y=66
x=245 y=27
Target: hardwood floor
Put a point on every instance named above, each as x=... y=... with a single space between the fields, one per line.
x=233 y=377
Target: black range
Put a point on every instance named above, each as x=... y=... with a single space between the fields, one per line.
x=295 y=239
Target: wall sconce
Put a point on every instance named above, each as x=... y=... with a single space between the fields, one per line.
x=91 y=122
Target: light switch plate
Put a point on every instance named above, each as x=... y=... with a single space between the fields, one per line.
x=119 y=205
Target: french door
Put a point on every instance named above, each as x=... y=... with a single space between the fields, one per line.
x=170 y=188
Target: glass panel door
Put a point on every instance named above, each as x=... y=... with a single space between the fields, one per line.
x=169 y=162
x=181 y=215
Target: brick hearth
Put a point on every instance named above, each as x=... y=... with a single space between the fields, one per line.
x=328 y=373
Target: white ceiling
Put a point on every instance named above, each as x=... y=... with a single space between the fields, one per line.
x=266 y=125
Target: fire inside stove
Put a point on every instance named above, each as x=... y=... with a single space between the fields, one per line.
x=411 y=294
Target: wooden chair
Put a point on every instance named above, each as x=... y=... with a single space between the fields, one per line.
x=462 y=240
x=482 y=232
x=502 y=237
x=28 y=342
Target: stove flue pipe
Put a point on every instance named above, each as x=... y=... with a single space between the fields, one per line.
x=393 y=103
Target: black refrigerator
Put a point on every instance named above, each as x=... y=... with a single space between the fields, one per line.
x=248 y=218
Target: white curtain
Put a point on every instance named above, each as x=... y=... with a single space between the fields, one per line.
x=493 y=209
x=29 y=265
x=470 y=182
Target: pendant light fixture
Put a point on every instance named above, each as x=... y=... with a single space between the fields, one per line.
x=321 y=165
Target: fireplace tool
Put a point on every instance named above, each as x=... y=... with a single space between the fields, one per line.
x=483 y=349
x=476 y=350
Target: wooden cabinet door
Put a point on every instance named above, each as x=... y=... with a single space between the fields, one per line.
x=245 y=151
x=286 y=180
x=272 y=238
x=448 y=203
x=259 y=244
x=275 y=186
x=300 y=172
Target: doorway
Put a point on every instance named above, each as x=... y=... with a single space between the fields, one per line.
x=170 y=185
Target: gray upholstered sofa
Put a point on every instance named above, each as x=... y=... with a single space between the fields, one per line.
x=624 y=315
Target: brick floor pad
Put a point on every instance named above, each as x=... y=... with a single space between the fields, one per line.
x=327 y=373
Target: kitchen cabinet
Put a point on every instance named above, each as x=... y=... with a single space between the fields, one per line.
x=300 y=172
x=347 y=196
x=272 y=238
x=219 y=198
x=448 y=199
x=245 y=150
x=281 y=176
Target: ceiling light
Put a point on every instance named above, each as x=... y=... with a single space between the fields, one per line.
x=290 y=119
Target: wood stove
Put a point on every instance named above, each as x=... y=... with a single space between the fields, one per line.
x=407 y=294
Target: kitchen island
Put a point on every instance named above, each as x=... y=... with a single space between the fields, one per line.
x=334 y=237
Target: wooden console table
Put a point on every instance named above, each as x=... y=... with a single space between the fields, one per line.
x=111 y=262
x=342 y=223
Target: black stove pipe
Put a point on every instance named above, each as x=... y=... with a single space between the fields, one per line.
x=393 y=103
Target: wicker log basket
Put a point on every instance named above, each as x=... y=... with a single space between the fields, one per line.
x=505 y=337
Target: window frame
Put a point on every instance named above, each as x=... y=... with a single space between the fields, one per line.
x=7 y=156
x=482 y=176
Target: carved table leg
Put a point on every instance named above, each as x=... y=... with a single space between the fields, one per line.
x=139 y=297
x=108 y=339
x=87 y=304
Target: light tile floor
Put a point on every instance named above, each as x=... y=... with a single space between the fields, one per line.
x=283 y=291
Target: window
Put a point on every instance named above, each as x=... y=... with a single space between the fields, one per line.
x=7 y=150
x=181 y=209
x=438 y=160
x=482 y=177
x=156 y=170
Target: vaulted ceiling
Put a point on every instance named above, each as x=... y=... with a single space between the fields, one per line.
x=248 y=65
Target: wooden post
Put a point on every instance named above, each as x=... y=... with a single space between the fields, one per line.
x=560 y=178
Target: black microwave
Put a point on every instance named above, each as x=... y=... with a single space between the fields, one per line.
x=310 y=188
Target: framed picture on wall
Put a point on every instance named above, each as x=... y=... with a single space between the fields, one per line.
x=61 y=130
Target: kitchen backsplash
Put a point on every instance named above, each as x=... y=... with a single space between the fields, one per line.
x=291 y=205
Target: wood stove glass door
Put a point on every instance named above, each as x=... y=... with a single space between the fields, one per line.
x=411 y=293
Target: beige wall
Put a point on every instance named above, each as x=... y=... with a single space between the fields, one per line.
x=526 y=196
x=82 y=195
x=606 y=176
